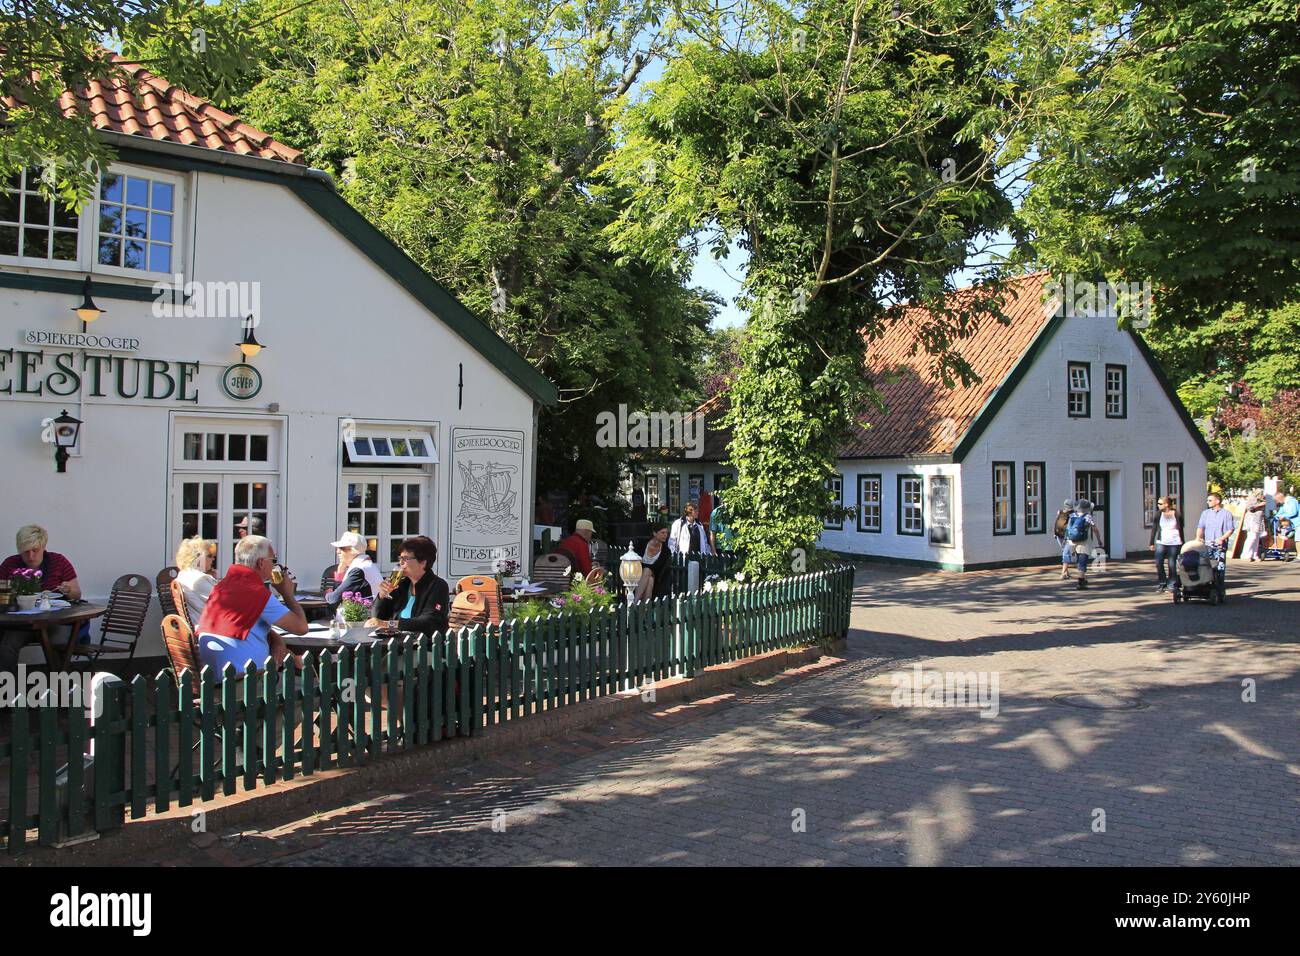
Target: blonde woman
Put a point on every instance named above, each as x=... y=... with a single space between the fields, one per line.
x=195 y=558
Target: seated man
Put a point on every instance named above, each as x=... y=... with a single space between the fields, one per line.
x=57 y=574
x=577 y=546
x=240 y=612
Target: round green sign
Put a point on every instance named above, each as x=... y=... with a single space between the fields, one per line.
x=241 y=382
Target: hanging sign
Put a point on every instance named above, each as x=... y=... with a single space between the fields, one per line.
x=241 y=382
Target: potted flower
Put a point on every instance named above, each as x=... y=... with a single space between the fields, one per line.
x=508 y=568
x=27 y=586
x=354 y=611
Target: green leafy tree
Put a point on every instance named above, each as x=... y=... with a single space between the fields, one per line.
x=852 y=150
x=1171 y=152
x=471 y=133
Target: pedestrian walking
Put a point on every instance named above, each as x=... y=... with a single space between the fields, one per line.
x=1252 y=525
x=1081 y=530
x=1062 y=542
x=1167 y=541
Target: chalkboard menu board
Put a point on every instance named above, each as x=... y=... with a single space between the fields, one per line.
x=941 y=510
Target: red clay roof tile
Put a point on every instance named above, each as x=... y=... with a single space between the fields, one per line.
x=151 y=108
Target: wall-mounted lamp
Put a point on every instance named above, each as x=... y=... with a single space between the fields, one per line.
x=87 y=311
x=67 y=430
x=250 y=346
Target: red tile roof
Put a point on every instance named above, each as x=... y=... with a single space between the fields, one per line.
x=151 y=108
x=922 y=416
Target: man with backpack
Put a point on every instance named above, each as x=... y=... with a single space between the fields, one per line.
x=1080 y=531
x=1062 y=542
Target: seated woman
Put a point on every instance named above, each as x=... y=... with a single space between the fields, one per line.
x=57 y=574
x=421 y=601
x=235 y=627
x=657 y=567
x=360 y=574
x=195 y=558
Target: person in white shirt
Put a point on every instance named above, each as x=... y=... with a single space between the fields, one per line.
x=688 y=536
x=361 y=575
x=1252 y=525
x=194 y=560
x=1167 y=541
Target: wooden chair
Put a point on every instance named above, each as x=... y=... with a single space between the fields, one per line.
x=327 y=582
x=178 y=599
x=162 y=581
x=487 y=587
x=467 y=609
x=182 y=651
x=552 y=569
x=128 y=605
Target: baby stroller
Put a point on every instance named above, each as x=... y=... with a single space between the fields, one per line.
x=1200 y=574
x=1279 y=545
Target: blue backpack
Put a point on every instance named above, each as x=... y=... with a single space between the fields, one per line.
x=1077 y=528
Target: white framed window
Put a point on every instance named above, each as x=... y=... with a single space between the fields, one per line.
x=1004 y=501
x=391 y=447
x=911 y=502
x=138 y=216
x=1150 y=494
x=869 y=503
x=1116 y=391
x=1174 y=483
x=1035 y=498
x=224 y=472
x=237 y=447
x=36 y=230
x=384 y=509
x=836 y=485
x=1080 y=392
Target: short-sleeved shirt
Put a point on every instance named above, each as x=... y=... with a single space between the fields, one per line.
x=218 y=651
x=55 y=569
x=1216 y=524
x=721 y=528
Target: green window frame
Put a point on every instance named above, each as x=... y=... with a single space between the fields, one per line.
x=911 y=505
x=876 y=502
x=1004 y=500
x=1036 y=520
x=1078 y=393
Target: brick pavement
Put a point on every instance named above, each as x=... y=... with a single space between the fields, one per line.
x=1191 y=774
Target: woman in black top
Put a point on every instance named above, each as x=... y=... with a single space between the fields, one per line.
x=657 y=561
x=421 y=601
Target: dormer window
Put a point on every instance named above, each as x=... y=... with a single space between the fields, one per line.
x=137 y=222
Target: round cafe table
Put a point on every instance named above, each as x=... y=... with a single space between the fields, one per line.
x=42 y=622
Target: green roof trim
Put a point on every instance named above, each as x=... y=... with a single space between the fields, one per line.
x=100 y=287
x=1022 y=367
x=380 y=250
x=1171 y=393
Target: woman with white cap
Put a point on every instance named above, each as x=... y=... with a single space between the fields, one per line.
x=361 y=575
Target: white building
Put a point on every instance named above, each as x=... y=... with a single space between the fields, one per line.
x=972 y=477
x=379 y=403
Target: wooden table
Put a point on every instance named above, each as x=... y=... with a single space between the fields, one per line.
x=43 y=621
x=314 y=603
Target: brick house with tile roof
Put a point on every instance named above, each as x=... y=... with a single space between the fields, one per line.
x=379 y=404
x=972 y=476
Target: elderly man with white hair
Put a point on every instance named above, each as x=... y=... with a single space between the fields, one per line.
x=241 y=611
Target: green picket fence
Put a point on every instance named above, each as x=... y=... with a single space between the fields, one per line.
x=181 y=742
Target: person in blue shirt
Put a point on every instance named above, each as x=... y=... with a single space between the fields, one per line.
x=1216 y=524
x=1287 y=507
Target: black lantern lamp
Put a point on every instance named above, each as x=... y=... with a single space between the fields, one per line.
x=250 y=346
x=66 y=432
x=87 y=311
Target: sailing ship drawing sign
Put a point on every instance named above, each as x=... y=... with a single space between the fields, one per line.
x=487 y=516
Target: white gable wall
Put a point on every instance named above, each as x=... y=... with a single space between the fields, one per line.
x=343 y=340
x=1033 y=425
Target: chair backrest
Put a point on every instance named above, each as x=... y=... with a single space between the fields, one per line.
x=327 y=582
x=162 y=581
x=178 y=637
x=467 y=609
x=128 y=604
x=555 y=568
x=178 y=598
x=487 y=587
